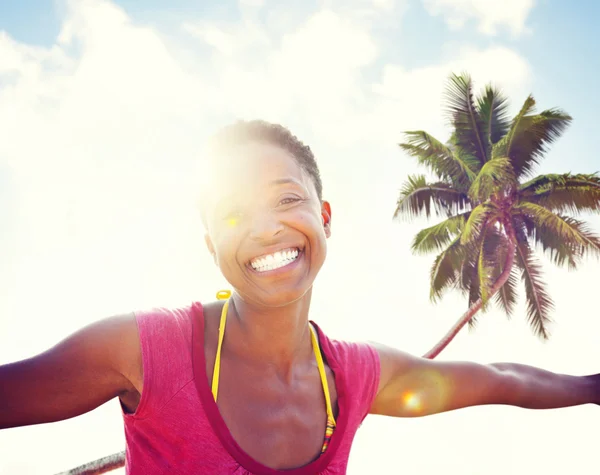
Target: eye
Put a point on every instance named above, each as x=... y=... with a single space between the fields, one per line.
x=289 y=200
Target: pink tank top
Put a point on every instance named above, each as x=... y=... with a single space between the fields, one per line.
x=177 y=427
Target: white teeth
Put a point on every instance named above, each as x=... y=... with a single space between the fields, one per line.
x=275 y=260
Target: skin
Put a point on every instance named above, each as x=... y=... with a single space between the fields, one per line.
x=266 y=203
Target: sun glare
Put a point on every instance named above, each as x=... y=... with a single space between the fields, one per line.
x=412 y=401
x=233 y=222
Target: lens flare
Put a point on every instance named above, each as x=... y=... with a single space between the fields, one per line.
x=233 y=222
x=424 y=392
x=412 y=401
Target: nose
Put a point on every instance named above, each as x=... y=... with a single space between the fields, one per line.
x=265 y=226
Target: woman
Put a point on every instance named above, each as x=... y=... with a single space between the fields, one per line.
x=247 y=384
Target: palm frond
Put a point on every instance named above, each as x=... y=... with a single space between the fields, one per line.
x=469 y=127
x=440 y=235
x=451 y=166
x=446 y=267
x=543 y=183
x=565 y=192
x=559 y=251
x=503 y=147
x=470 y=277
x=495 y=176
x=492 y=258
x=567 y=229
x=418 y=197
x=506 y=297
x=479 y=271
x=474 y=289
x=493 y=110
x=539 y=303
x=482 y=264
x=484 y=273
x=478 y=219
x=530 y=136
x=498 y=247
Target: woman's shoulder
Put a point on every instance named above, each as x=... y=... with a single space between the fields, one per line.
x=165 y=339
x=348 y=351
x=357 y=368
x=356 y=359
x=157 y=320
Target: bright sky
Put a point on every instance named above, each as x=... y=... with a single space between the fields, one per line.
x=104 y=107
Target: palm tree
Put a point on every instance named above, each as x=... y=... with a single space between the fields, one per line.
x=494 y=213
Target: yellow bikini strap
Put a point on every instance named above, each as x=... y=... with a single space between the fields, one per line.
x=221 y=295
x=225 y=295
x=321 y=366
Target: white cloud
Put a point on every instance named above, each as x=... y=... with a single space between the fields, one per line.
x=252 y=3
x=384 y=4
x=232 y=39
x=224 y=44
x=312 y=69
x=489 y=14
x=416 y=95
x=319 y=69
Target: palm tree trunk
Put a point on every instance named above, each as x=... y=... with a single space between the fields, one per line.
x=476 y=306
x=97 y=467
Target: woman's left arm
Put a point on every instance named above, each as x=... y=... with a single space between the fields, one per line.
x=411 y=386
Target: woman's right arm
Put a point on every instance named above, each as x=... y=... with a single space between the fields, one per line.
x=87 y=369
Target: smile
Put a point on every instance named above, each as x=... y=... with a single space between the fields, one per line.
x=275 y=261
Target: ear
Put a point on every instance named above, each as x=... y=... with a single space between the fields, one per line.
x=326 y=215
x=210 y=247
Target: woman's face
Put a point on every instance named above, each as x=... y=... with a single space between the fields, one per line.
x=267 y=228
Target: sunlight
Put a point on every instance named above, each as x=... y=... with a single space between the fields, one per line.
x=431 y=396
x=233 y=221
x=412 y=401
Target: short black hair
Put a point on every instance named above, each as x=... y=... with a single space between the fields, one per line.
x=242 y=132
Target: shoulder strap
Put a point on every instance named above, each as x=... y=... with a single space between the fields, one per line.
x=321 y=366
x=221 y=295
x=225 y=295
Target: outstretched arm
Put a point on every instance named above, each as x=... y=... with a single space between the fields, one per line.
x=411 y=386
x=87 y=369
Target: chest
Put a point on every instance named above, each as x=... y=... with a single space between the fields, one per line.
x=279 y=423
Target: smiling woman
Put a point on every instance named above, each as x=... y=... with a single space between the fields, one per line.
x=247 y=383
x=266 y=209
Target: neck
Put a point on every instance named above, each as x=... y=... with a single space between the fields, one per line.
x=277 y=336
